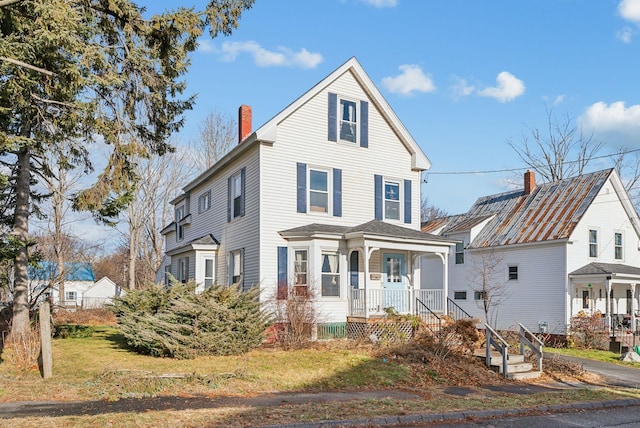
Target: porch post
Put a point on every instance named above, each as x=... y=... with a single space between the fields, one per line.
x=633 y=307
x=607 y=286
x=445 y=282
x=366 y=280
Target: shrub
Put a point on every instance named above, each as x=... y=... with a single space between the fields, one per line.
x=176 y=322
x=587 y=331
x=296 y=317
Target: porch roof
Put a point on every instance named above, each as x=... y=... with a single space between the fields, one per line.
x=610 y=269
x=205 y=243
x=373 y=228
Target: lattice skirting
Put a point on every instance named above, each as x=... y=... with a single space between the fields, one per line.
x=383 y=330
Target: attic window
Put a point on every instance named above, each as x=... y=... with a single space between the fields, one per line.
x=348 y=121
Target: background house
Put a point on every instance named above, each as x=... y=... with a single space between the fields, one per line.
x=553 y=250
x=325 y=195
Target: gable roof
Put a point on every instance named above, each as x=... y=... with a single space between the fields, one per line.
x=550 y=212
x=74 y=271
x=596 y=268
x=267 y=133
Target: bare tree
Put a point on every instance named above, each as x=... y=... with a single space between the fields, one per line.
x=217 y=135
x=561 y=150
x=487 y=279
x=429 y=211
x=160 y=179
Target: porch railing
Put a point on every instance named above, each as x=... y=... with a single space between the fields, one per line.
x=430 y=318
x=529 y=340
x=368 y=302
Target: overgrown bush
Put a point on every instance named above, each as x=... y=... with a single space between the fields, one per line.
x=296 y=316
x=176 y=322
x=587 y=331
x=461 y=335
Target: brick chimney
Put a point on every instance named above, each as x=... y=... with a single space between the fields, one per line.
x=529 y=182
x=244 y=122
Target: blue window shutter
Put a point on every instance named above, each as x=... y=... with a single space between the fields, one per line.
x=243 y=173
x=333 y=117
x=337 y=192
x=378 y=197
x=407 y=201
x=302 y=187
x=364 y=124
x=282 y=273
x=229 y=199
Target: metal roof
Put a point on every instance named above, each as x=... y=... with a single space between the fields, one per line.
x=550 y=212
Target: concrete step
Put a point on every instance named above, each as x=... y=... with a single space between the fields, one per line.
x=532 y=374
x=517 y=368
x=513 y=367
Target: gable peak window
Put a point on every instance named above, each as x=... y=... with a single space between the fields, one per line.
x=348 y=122
x=593 y=243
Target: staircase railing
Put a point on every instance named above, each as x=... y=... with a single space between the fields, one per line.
x=427 y=316
x=534 y=344
x=501 y=345
x=455 y=311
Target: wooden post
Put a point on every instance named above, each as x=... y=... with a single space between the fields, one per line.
x=45 y=340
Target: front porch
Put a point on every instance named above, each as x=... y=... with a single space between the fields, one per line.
x=368 y=303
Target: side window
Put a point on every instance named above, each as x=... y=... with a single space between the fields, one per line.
x=618 y=245
x=183 y=269
x=318 y=191
x=460 y=295
x=208 y=273
x=593 y=243
x=300 y=268
x=179 y=227
x=236 y=195
x=459 y=253
x=391 y=200
x=204 y=201
x=167 y=275
x=513 y=273
x=235 y=267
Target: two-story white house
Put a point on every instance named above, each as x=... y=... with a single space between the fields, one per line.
x=548 y=251
x=325 y=195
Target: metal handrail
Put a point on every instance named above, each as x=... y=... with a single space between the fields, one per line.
x=458 y=312
x=503 y=348
x=421 y=303
x=535 y=347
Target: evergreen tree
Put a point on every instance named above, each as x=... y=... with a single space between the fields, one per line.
x=81 y=71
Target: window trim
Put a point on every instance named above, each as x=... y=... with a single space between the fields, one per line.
x=300 y=273
x=179 y=214
x=329 y=192
x=459 y=252
x=210 y=278
x=617 y=246
x=232 y=267
x=236 y=180
x=513 y=275
x=204 y=201
x=68 y=294
x=183 y=269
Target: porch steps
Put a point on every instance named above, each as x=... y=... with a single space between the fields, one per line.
x=517 y=367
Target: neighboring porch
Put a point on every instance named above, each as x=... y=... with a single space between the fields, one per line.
x=611 y=290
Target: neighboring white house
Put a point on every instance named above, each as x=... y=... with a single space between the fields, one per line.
x=561 y=248
x=80 y=288
x=325 y=195
x=101 y=293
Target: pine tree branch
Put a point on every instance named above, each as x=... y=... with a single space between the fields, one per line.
x=24 y=64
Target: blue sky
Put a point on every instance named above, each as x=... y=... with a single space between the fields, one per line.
x=463 y=76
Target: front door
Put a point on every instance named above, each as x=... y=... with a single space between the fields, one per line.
x=395 y=295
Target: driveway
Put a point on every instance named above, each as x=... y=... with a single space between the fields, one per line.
x=612 y=374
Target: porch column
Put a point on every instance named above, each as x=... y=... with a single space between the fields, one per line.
x=445 y=280
x=633 y=306
x=607 y=286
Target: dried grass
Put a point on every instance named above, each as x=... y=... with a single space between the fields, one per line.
x=22 y=351
x=97 y=316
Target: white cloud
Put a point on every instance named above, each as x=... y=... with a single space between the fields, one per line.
x=204 y=45
x=625 y=35
x=630 y=10
x=614 y=121
x=507 y=89
x=283 y=57
x=462 y=88
x=381 y=3
x=412 y=79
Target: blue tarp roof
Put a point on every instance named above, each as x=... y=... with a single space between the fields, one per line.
x=74 y=271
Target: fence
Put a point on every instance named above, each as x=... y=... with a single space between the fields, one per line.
x=372 y=302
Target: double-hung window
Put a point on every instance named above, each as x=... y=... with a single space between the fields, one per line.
x=204 y=201
x=593 y=243
x=348 y=121
x=183 y=269
x=300 y=268
x=235 y=267
x=459 y=253
x=391 y=200
x=208 y=272
x=513 y=273
x=179 y=227
x=618 y=245
x=318 y=191
x=70 y=296
x=167 y=275
x=330 y=275
x=236 y=195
